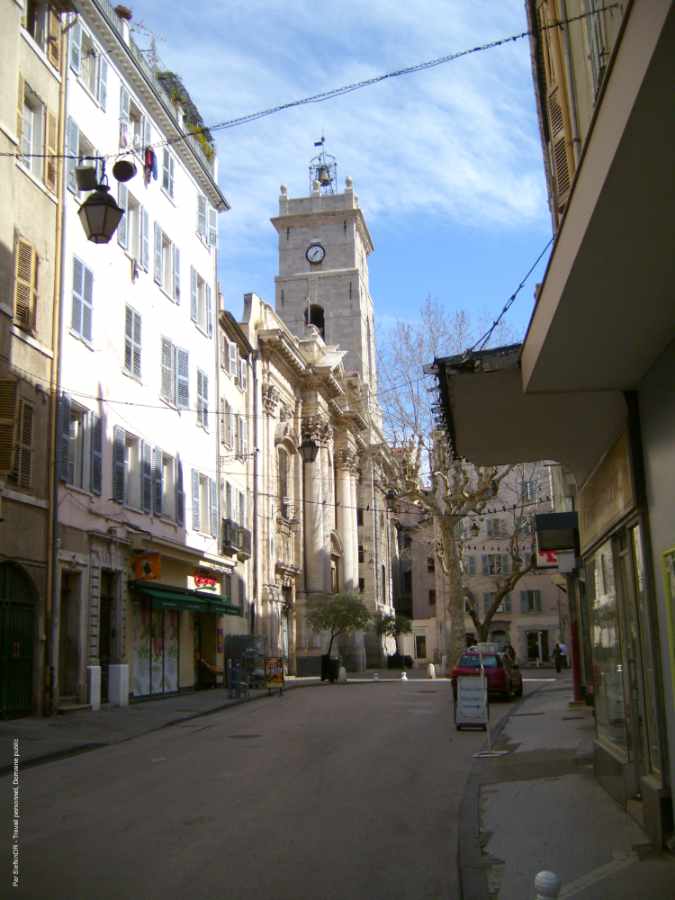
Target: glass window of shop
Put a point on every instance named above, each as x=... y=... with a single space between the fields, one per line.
x=649 y=658
x=606 y=649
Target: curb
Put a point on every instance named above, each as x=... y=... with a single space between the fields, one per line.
x=471 y=863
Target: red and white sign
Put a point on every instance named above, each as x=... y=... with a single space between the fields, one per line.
x=205 y=580
x=547 y=559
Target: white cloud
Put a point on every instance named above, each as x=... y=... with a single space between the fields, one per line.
x=458 y=141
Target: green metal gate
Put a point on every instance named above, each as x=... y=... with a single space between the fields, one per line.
x=17 y=624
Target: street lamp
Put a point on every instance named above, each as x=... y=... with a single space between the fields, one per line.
x=309 y=450
x=99 y=213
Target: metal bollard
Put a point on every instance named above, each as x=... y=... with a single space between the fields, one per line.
x=547 y=885
x=431 y=671
x=404 y=677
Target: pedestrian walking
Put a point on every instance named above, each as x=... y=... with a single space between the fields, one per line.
x=557 y=657
x=565 y=656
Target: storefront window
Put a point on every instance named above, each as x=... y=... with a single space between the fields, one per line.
x=606 y=649
x=648 y=657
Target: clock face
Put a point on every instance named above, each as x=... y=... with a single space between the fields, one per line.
x=315 y=253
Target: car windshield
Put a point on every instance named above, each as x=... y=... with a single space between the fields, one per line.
x=472 y=661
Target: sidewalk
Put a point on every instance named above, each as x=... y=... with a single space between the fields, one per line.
x=540 y=807
x=45 y=739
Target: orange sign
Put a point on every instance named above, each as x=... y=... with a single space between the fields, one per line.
x=147 y=566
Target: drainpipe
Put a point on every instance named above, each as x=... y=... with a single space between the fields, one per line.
x=53 y=593
x=576 y=141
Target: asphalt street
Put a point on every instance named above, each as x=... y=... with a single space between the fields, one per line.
x=348 y=792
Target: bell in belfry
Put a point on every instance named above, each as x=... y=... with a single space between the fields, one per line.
x=323 y=176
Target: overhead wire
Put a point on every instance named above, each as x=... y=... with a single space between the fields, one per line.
x=344 y=89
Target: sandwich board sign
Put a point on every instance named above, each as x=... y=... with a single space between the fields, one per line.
x=471 y=706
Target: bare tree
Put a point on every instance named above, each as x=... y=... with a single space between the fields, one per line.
x=441 y=486
x=514 y=539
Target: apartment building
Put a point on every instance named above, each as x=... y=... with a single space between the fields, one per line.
x=142 y=588
x=32 y=61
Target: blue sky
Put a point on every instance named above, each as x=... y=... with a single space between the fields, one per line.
x=446 y=163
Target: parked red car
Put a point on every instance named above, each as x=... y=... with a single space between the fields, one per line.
x=503 y=676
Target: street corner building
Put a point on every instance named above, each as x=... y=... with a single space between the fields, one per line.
x=591 y=386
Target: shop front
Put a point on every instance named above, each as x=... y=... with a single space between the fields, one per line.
x=627 y=758
x=176 y=636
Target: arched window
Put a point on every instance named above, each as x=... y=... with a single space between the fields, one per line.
x=315 y=317
x=282 y=465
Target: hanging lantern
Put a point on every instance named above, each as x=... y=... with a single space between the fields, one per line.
x=100 y=215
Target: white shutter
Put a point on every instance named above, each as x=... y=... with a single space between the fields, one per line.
x=122 y=229
x=102 y=81
x=213 y=226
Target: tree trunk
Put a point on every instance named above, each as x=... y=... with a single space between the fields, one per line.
x=453 y=630
x=483 y=631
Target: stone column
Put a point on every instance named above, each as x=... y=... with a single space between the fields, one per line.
x=317 y=560
x=346 y=515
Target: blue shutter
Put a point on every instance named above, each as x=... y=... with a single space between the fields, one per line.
x=146 y=477
x=193 y=294
x=195 y=500
x=213 y=227
x=119 y=464
x=158 y=254
x=96 y=477
x=145 y=239
x=176 y=274
x=182 y=379
x=76 y=46
x=157 y=481
x=209 y=311
x=102 y=85
x=64 y=465
x=72 y=150
x=123 y=202
x=213 y=506
x=180 y=494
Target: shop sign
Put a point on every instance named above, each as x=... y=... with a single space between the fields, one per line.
x=274 y=673
x=547 y=559
x=147 y=566
x=204 y=580
x=471 y=706
x=607 y=495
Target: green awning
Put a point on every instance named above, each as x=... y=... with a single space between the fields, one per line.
x=162 y=597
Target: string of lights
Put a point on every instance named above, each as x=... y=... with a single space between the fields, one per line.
x=348 y=88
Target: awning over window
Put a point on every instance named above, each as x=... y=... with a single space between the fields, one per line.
x=163 y=597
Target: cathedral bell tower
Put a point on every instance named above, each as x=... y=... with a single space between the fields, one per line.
x=324 y=245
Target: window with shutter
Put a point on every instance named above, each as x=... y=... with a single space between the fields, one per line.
x=180 y=494
x=213 y=227
x=557 y=111
x=168 y=376
x=102 y=81
x=83 y=303
x=182 y=379
x=76 y=46
x=233 y=358
x=51 y=163
x=53 y=38
x=145 y=239
x=242 y=374
x=72 y=150
x=201 y=216
x=132 y=342
x=195 y=500
x=176 y=274
x=157 y=481
x=158 y=254
x=9 y=393
x=25 y=285
x=213 y=507
x=146 y=477
x=202 y=399
x=123 y=203
x=31 y=130
x=96 y=474
x=168 y=172
x=125 y=137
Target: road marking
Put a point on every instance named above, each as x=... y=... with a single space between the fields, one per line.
x=539 y=679
x=599 y=874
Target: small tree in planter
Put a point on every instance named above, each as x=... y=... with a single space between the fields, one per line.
x=342 y=614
